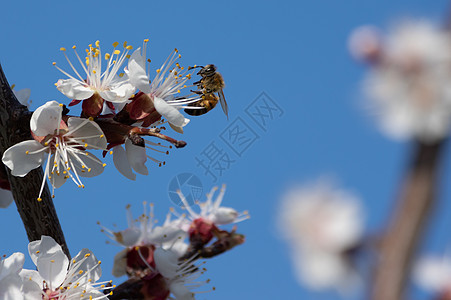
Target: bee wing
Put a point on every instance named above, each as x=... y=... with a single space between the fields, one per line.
x=224 y=106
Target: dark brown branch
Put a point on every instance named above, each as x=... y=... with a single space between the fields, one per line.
x=39 y=218
x=404 y=232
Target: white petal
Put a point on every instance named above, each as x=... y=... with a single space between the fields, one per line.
x=165 y=234
x=136 y=156
x=85 y=261
x=433 y=273
x=118 y=94
x=17 y=159
x=6 y=198
x=121 y=163
x=170 y=113
x=74 y=89
x=53 y=268
x=11 y=288
x=23 y=95
x=120 y=264
x=32 y=282
x=128 y=237
x=91 y=166
x=88 y=130
x=45 y=246
x=11 y=265
x=166 y=262
x=57 y=180
x=224 y=215
x=180 y=291
x=46 y=119
x=137 y=72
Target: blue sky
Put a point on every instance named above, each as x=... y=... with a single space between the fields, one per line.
x=295 y=52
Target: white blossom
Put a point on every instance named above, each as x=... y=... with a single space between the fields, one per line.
x=65 y=144
x=165 y=86
x=409 y=82
x=107 y=84
x=322 y=223
x=57 y=277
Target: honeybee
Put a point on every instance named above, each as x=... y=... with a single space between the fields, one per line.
x=211 y=82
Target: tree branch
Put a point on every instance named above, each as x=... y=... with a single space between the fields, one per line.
x=404 y=232
x=39 y=218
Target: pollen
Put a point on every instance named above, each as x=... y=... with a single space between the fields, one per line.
x=60 y=105
x=80 y=272
x=26 y=152
x=117 y=52
x=86 y=145
x=180 y=56
x=176 y=50
x=101 y=136
x=74 y=47
x=54 y=63
x=158 y=70
x=97 y=43
x=111 y=152
x=52 y=261
x=188 y=76
x=115 y=44
x=129 y=47
x=104 y=164
x=37 y=252
x=62 y=49
x=107 y=56
x=87 y=254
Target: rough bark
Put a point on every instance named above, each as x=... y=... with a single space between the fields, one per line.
x=403 y=234
x=39 y=218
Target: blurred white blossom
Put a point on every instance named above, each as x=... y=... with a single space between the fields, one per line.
x=433 y=273
x=408 y=84
x=322 y=224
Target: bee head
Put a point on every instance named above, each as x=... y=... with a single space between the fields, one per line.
x=206 y=71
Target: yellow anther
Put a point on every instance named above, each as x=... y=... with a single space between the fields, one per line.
x=79 y=186
x=87 y=254
x=26 y=152
x=80 y=272
x=101 y=136
x=158 y=70
x=114 y=61
x=176 y=50
x=107 y=56
x=104 y=165
x=99 y=262
x=13 y=86
x=115 y=44
x=62 y=49
x=74 y=261
x=86 y=145
x=148 y=60
x=180 y=56
x=83 y=186
x=121 y=75
x=64 y=172
x=52 y=261
x=111 y=152
x=91 y=119
x=54 y=63
x=129 y=47
x=37 y=252
x=117 y=52
x=146 y=40
x=178 y=91
x=46 y=143
x=94 y=71
x=128 y=56
x=97 y=43
x=57 y=145
x=60 y=105
x=89 y=170
x=74 y=47
x=188 y=76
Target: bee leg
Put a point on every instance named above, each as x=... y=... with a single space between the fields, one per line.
x=197 y=82
x=197 y=92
